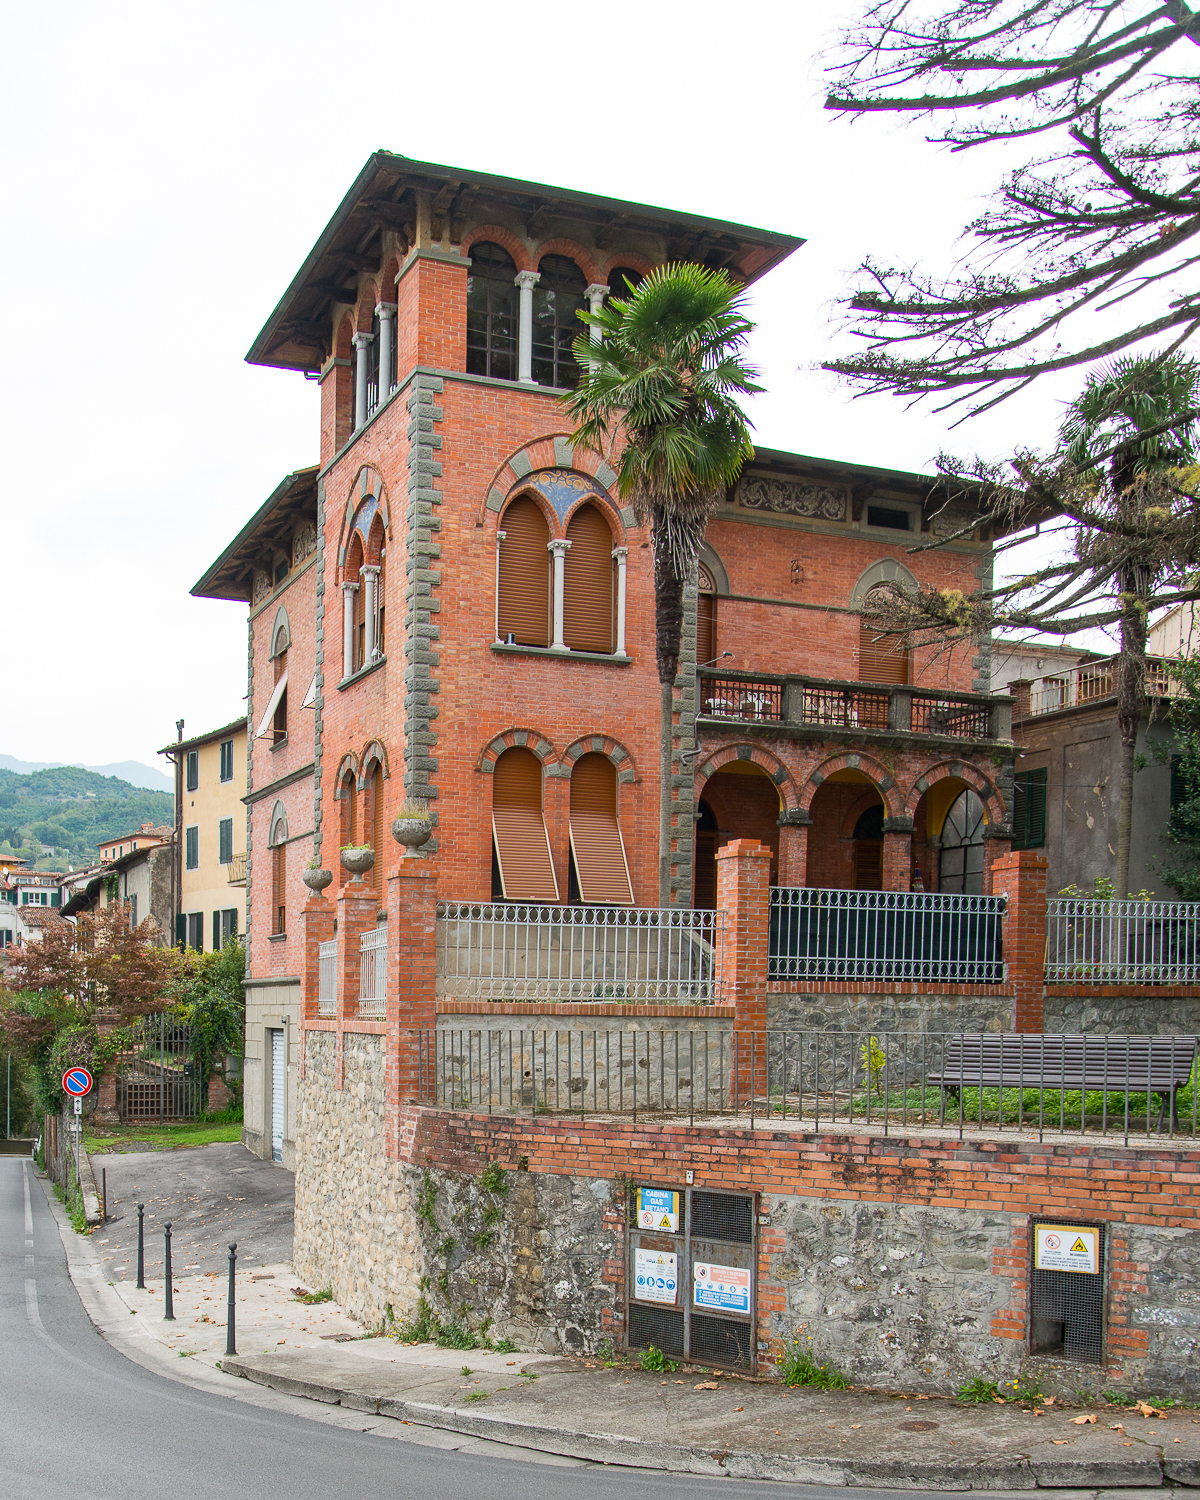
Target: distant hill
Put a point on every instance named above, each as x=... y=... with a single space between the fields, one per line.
x=151 y=778
x=75 y=809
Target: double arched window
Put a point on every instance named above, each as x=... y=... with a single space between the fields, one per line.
x=364 y=599
x=558 y=296
x=492 y=306
x=527 y=605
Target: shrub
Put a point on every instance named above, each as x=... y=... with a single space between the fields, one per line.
x=978 y=1390
x=656 y=1361
x=800 y=1368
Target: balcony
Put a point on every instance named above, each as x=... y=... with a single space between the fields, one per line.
x=235 y=870
x=1089 y=683
x=821 y=707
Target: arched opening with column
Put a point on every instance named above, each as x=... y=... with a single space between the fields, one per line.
x=492 y=308
x=845 y=838
x=349 y=831
x=739 y=801
x=523 y=575
x=373 y=808
x=949 y=845
x=589 y=583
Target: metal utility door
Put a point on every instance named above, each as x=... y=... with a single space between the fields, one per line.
x=691 y=1277
x=278 y=1093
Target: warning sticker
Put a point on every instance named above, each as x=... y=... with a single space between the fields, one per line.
x=726 y=1288
x=658 y=1208
x=656 y=1276
x=1066 y=1247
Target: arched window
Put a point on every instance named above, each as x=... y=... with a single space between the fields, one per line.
x=373 y=645
x=519 y=841
x=373 y=368
x=278 y=844
x=349 y=818
x=622 y=281
x=868 y=850
x=599 y=869
x=882 y=657
x=960 y=866
x=358 y=629
x=279 y=721
x=492 y=301
x=706 y=618
x=557 y=297
x=523 y=582
x=376 y=826
x=588 y=583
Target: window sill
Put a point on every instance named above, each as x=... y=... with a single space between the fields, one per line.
x=610 y=658
x=371 y=666
x=279 y=744
x=277 y=937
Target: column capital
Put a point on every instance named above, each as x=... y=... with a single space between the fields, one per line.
x=362 y=340
x=527 y=280
x=596 y=291
x=500 y=535
x=559 y=544
x=385 y=309
x=620 y=552
x=348 y=587
x=370 y=568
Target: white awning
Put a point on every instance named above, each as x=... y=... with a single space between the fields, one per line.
x=264 y=726
x=310 y=698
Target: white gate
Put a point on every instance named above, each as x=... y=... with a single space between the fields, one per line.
x=278 y=1093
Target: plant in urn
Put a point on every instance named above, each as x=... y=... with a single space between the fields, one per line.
x=358 y=859
x=412 y=826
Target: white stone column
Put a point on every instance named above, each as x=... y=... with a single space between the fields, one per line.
x=558 y=548
x=500 y=535
x=370 y=578
x=621 y=554
x=386 y=313
x=526 y=281
x=348 y=592
x=596 y=295
x=362 y=343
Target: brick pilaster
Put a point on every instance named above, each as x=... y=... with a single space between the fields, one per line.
x=793 y=853
x=357 y=912
x=897 y=853
x=317 y=927
x=1021 y=876
x=411 y=986
x=743 y=899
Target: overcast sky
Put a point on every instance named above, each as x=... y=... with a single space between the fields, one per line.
x=166 y=170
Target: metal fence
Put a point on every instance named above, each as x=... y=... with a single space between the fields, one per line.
x=961 y=718
x=742 y=697
x=372 y=974
x=157 y=1076
x=885 y=935
x=1122 y=942
x=513 y=952
x=327 y=978
x=885 y=1081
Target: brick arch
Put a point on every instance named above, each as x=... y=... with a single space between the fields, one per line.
x=347 y=771
x=854 y=760
x=374 y=752
x=342 y=347
x=767 y=762
x=610 y=511
x=518 y=739
x=281 y=623
x=553 y=450
x=600 y=744
x=573 y=250
x=366 y=498
x=368 y=296
x=278 y=826
x=387 y=290
x=631 y=258
x=515 y=246
x=529 y=493
x=943 y=770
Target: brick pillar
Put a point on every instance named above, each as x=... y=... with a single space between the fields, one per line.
x=793 y=847
x=1020 y=690
x=411 y=986
x=1021 y=876
x=317 y=925
x=357 y=912
x=897 y=853
x=743 y=899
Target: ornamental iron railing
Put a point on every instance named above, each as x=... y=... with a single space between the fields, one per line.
x=958 y=1082
x=372 y=974
x=1122 y=942
x=852 y=936
x=742 y=698
x=1092 y=681
x=505 y=951
x=327 y=978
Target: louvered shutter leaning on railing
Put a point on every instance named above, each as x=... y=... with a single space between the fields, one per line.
x=588 y=583
x=524 y=576
x=519 y=829
x=596 y=844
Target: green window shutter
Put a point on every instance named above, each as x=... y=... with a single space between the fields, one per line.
x=1178 y=782
x=181 y=930
x=225 y=832
x=55 y=898
x=216 y=942
x=1029 y=809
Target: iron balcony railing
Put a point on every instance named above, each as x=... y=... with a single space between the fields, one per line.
x=1090 y=682
x=1122 y=942
x=235 y=870
x=856 y=936
x=514 y=952
x=874 y=1081
x=327 y=978
x=826 y=703
x=372 y=974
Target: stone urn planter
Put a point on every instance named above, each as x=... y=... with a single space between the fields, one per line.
x=358 y=861
x=317 y=880
x=412 y=832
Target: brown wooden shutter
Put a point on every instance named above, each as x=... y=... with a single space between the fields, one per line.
x=596 y=843
x=522 y=846
x=706 y=629
x=378 y=829
x=524 y=607
x=881 y=657
x=588 y=583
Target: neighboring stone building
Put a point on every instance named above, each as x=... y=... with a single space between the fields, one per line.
x=146 y=837
x=210 y=814
x=144 y=879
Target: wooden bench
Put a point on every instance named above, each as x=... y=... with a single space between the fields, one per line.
x=1117 y=1064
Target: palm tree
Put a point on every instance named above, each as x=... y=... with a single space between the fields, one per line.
x=664 y=373
x=1142 y=411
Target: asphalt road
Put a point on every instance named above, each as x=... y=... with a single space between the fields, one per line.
x=79 y=1420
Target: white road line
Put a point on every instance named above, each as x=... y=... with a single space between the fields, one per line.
x=28 y=1217
x=31 y=1304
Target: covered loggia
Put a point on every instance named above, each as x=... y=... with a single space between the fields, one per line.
x=845 y=841
x=948 y=852
x=740 y=801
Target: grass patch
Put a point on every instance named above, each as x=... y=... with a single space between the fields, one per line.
x=504 y=1346
x=163 y=1137
x=978 y=1390
x=656 y=1361
x=324 y=1295
x=455 y=1335
x=800 y=1368
x=478 y=1396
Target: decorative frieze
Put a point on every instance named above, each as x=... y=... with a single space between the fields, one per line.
x=823 y=502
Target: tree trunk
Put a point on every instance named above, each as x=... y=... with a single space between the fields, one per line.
x=1131 y=699
x=668 y=635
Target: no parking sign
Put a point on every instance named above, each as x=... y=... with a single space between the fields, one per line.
x=77 y=1082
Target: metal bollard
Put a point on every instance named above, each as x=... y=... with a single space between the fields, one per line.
x=169 y=1315
x=230 y=1339
x=141 y=1281
x=104 y=1195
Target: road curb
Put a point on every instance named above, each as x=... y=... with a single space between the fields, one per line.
x=1146 y=1471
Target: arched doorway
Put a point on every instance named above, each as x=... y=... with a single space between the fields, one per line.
x=961 y=861
x=845 y=840
x=740 y=801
